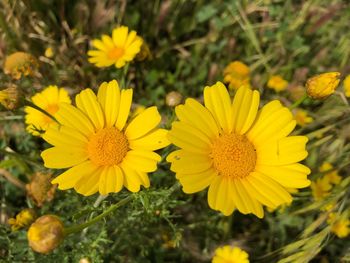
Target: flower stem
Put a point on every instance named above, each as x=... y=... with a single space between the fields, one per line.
x=31 y=104
x=298 y=102
x=80 y=227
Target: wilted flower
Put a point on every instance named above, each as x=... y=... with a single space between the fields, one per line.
x=40 y=188
x=340 y=226
x=10 y=97
x=119 y=49
x=346 y=84
x=323 y=85
x=331 y=173
x=229 y=254
x=302 y=117
x=277 y=83
x=320 y=188
x=23 y=219
x=20 y=63
x=45 y=234
x=236 y=74
x=173 y=98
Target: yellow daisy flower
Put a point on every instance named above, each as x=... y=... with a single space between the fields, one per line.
x=347 y=86
x=245 y=156
x=302 y=118
x=332 y=176
x=277 y=83
x=228 y=254
x=102 y=151
x=119 y=49
x=237 y=74
x=49 y=100
x=320 y=188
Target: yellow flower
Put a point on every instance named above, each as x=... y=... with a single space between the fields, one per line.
x=10 y=97
x=302 y=117
x=277 y=83
x=245 y=156
x=339 y=226
x=347 y=86
x=323 y=85
x=45 y=234
x=23 y=219
x=20 y=63
x=49 y=100
x=320 y=188
x=332 y=176
x=102 y=151
x=49 y=52
x=237 y=75
x=228 y=254
x=119 y=49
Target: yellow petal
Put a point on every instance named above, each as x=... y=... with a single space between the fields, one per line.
x=290 y=176
x=143 y=123
x=72 y=117
x=131 y=179
x=99 y=45
x=87 y=102
x=220 y=195
x=189 y=138
x=124 y=108
x=70 y=177
x=107 y=41
x=140 y=160
x=65 y=137
x=58 y=157
x=152 y=141
x=120 y=35
x=109 y=98
x=89 y=184
x=196 y=182
x=244 y=109
x=198 y=116
x=218 y=101
x=188 y=163
x=111 y=180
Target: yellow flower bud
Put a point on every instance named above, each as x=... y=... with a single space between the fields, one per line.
x=20 y=63
x=277 y=83
x=10 y=97
x=23 y=219
x=45 y=234
x=173 y=98
x=323 y=85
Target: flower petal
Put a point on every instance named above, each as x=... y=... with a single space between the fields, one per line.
x=88 y=184
x=111 y=180
x=192 y=183
x=152 y=141
x=189 y=163
x=220 y=195
x=109 y=98
x=120 y=35
x=124 y=108
x=140 y=160
x=65 y=137
x=58 y=157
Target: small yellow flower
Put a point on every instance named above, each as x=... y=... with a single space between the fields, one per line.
x=102 y=150
x=119 y=49
x=45 y=234
x=49 y=100
x=229 y=254
x=225 y=146
x=237 y=74
x=277 y=83
x=23 y=219
x=320 y=188
x=340 y=226
x=346 y=84
x=10 y=97
x=20 y=63
x=323 y=85
x=333 y=176
x=49 y=52
x=302 y=117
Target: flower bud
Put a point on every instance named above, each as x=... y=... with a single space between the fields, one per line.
x=20 y=63
x=323 y=85
x=173 y=98
x=10 y=97
x=23 y=219
x=45 y=234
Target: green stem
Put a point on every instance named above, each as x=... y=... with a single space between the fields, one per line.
x=80 y=227
x=31 y=104
x=298 y=102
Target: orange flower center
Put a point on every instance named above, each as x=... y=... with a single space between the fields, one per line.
x=108 y=147
x=115 y=53
x=233 y=155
